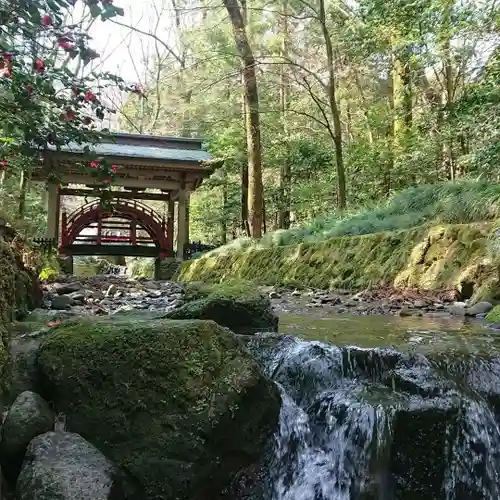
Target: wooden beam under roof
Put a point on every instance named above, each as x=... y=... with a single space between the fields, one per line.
x=124 y=195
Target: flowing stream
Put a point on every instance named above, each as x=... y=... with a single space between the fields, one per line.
x=410 y=412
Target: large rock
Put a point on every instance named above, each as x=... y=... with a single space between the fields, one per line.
x=63 y=466
x=28 y=417
x=243 y=315
x=66 y=288
x=61 y=302
x=180 y=405
x=479 y=308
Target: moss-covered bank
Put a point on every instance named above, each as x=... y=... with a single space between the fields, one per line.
x=439 y=257
x=19 y=292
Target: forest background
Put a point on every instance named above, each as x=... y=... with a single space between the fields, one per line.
x=320 y=109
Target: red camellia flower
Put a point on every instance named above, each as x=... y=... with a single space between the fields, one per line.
x=114 y=168
x=6 y=65
x=46 y=20
x=66 y=44
x=68 y=115
x=94 y=164
x=6 y=56
x=3 y=164
x=89 y=96
x=39 y=66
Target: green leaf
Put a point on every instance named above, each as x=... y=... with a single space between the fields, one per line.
x=53 y=5
x=95 y=11
x=35 y=14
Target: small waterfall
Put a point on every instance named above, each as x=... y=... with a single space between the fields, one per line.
x=331 y=460
x=474 y=455
x=377 y=424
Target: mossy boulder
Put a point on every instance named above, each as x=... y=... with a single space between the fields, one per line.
x=180 y=406
x=234 y=304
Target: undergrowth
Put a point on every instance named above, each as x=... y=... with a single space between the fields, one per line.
x=463 y=202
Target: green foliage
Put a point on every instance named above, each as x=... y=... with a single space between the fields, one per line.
x=494 y=315
x=416 y=85
x=47 y=273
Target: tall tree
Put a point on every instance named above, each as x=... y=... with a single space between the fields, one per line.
x=254 y=147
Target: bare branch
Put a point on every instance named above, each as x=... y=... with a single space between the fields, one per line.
x=155 y=37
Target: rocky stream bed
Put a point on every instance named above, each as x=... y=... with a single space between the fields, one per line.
x=132 y=389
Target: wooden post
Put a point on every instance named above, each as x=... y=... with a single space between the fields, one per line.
x=64 y=229
x=186 y=239
x=181 y=224
x=53 y=212
x=170 y=225
x=99 y=230
x=133 y=232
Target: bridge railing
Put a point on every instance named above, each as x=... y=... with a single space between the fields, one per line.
x=129 y=203
x=46 y=245
x=69 y=222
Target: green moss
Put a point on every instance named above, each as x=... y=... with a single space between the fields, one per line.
x=160 y=398
x=433 y=258
x=234 y=303
x=494 y=315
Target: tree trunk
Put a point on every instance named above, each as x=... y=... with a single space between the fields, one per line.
x=245 y=227
x=252 y=118
x=223 y=220
x=401 y=103
x=23 y=187
x=285 y=171
x=334 y=108
x=359 y=85
x=449 y=85
x=244 y=170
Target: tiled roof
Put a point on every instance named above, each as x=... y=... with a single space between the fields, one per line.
x=144 y=152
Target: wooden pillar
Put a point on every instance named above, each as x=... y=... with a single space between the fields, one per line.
x=181 y=224
x=170 y=225
x=45 y=199
x=188 y=199
x=99 y=229
x=53 y=208
x=133 y=232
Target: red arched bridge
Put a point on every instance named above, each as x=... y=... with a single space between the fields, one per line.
x=127 y=227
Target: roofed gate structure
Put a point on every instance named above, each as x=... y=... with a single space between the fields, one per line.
x=171 y=166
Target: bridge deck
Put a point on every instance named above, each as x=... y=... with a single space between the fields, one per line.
x=122 y=250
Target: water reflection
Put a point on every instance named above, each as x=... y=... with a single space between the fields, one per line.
x=421 y=334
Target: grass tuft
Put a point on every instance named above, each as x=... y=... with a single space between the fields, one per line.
x=442 y=203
